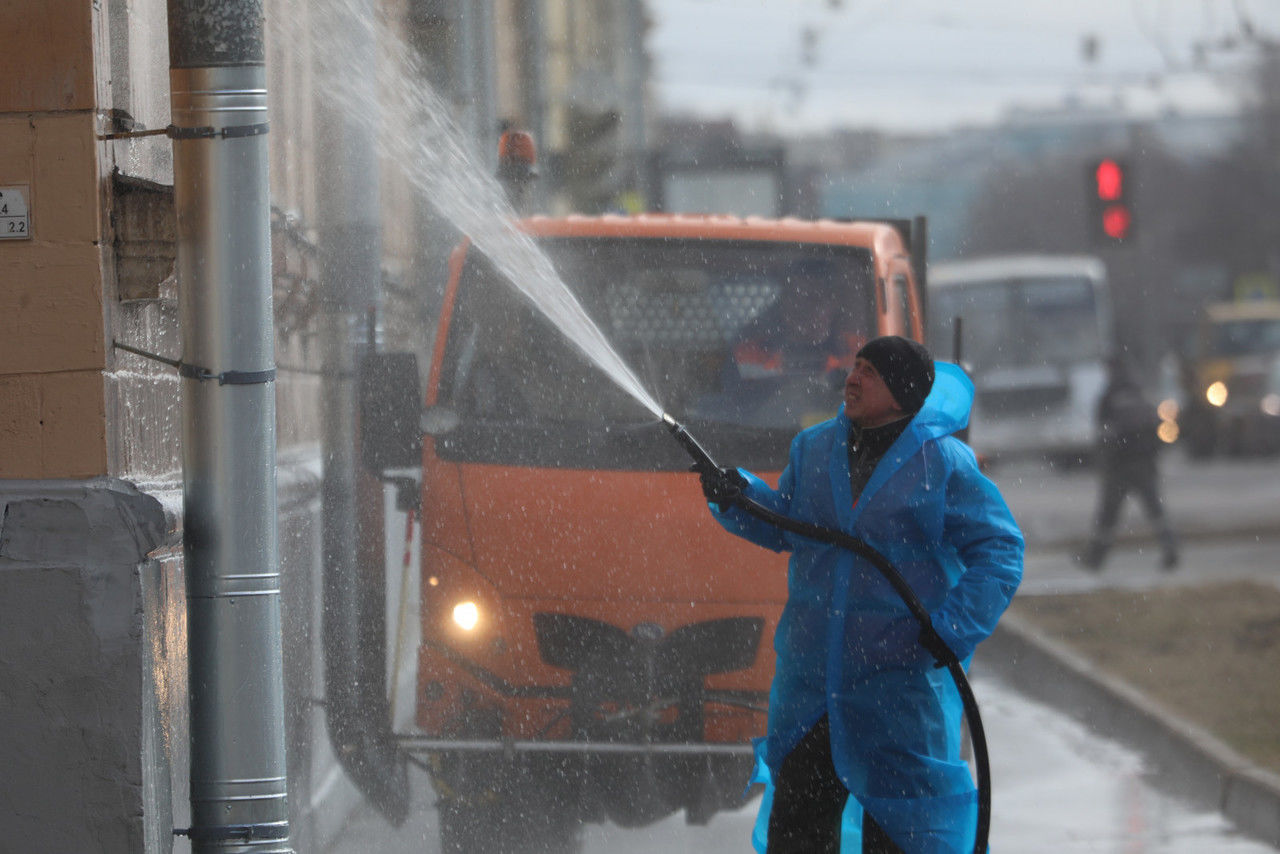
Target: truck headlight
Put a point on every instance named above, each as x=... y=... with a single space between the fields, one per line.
x=1270 y=404
x=466 y=615
x=1216 y=393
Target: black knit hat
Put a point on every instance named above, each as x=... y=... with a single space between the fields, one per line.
x=905 y=366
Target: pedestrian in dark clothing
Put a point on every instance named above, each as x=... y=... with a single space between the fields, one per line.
x=864 y=727
x=1128 y=447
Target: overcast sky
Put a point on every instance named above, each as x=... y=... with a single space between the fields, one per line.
x=934 y=64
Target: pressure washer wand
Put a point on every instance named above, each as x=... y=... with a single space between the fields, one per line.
x=702 y=461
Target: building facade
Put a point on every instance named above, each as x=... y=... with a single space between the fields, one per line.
x=93 y=650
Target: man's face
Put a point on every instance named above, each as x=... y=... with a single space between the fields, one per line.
x=867 y=400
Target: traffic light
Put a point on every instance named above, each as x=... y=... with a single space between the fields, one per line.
x=1110 y=188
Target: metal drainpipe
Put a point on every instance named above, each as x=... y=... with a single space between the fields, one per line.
x=239 y=787
x=353 y=618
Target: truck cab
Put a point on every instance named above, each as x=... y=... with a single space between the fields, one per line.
x=593 y=646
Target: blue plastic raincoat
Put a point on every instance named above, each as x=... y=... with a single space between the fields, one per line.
x=847 y=645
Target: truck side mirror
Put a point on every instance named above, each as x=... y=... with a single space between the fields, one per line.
x=439 y=420
x=390 y=437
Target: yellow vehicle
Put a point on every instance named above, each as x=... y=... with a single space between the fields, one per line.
x=1231 y=378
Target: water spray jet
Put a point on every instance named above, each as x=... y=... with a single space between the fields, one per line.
x=441 y=166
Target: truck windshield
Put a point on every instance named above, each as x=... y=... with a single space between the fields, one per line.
x=1017 y=323
x=1249 y=337
x=744 y=342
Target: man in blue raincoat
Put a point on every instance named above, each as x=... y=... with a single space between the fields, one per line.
x=859 y=705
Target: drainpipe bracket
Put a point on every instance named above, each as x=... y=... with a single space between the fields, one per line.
x=203 y=132
x=207 y=132
x=268 y=831
x=195 y=372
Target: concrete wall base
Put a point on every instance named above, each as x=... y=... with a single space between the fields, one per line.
x=75 y=655
x=93 y=664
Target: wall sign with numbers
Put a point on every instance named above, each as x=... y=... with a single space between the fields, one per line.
x=15 y=219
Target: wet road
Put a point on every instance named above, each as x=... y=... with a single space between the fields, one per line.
x=1220 y=499
x=1058 y=787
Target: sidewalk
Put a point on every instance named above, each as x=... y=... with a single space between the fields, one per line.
x=1227 y=515
x=1185 y=760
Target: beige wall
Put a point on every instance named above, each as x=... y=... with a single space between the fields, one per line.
x=51 y=314
x=47 y=61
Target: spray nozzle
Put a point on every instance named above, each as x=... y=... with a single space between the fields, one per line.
x=702 y=461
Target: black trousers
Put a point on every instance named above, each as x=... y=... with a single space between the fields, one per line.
x=809 y=799
x=1119 y=478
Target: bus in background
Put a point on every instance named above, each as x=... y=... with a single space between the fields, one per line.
x=1036 y=333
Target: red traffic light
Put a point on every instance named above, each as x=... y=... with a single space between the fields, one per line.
x=1110 y=201
x=1116 y=221
x=1109 y=179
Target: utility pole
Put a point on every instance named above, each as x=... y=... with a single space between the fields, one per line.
x=350 y=236
x=218 y=95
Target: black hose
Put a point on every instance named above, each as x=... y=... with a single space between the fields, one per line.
x=703 y=463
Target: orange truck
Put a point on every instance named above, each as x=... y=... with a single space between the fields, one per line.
x=593 y=646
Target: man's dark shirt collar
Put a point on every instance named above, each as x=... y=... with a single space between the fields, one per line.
x=866 y=446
